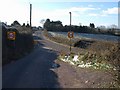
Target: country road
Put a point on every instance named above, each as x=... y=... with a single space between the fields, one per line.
x=35 y=70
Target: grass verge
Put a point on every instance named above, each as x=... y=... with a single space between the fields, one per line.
x=102 y=55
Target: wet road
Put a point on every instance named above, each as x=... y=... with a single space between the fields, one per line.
x=33 y=71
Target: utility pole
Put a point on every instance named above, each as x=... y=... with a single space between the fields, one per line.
x=70 y=20
x=30 y=14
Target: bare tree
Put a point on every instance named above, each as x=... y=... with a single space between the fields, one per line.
x=92 y=25
x=42 y=21
x=113 y=26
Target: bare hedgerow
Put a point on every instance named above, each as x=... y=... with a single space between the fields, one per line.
x=23 y=43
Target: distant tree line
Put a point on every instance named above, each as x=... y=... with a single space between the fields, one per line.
x=16 y=23
x=57 y=26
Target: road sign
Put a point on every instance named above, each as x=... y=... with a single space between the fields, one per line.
x=70 y=34
x=11 y=35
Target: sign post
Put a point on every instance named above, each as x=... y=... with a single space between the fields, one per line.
x=11 y=36
x=70 y=34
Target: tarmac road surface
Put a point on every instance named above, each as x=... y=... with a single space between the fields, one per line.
x=32 y=71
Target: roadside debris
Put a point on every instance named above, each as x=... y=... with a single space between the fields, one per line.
x=83 y=62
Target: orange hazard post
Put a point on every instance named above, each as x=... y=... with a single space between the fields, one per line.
x=11 y=35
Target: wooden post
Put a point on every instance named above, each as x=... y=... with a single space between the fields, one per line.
x=70 y=31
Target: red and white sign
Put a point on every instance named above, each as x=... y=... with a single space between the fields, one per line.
x=70 y=34
x=11 y=35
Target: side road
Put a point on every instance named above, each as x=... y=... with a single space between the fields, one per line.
x=57 y=46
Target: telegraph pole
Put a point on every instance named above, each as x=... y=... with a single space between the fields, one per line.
x=30 y=14
x=70 y=20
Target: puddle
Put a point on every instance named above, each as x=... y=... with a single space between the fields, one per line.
x=47 y=48
x=55 y=65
